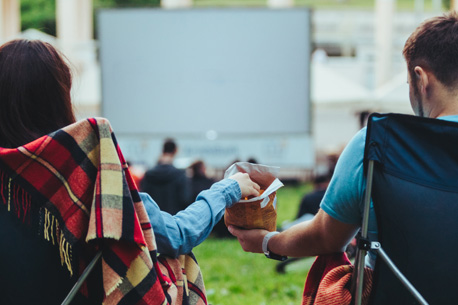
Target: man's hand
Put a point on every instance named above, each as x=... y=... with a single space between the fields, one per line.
x=247 y=186
x=322 y=235
x=250 y=240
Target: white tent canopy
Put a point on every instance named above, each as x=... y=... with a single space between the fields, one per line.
x=329 y=88
x=393 y=96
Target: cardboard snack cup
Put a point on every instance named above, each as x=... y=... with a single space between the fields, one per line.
x=258 y=212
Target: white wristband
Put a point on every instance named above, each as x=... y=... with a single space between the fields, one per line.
x=265 y=241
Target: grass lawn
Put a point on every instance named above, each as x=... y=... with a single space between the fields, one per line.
x=234 y=277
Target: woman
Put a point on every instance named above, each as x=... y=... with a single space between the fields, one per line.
x=35 y=83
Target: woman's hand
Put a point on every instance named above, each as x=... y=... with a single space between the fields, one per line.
x=247 y=186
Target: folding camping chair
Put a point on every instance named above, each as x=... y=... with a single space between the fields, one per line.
x=412 y=178
x=71 y=295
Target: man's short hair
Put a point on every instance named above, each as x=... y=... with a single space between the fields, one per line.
x=169 y=147
x=434 y=47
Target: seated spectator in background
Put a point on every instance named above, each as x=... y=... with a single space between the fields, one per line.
x=310 y=203
x=167 y=184
x=199 y=179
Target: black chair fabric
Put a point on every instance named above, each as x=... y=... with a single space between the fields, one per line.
x=415 y=195
x=31 y=270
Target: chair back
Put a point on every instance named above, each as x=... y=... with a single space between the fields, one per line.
x=415 y=197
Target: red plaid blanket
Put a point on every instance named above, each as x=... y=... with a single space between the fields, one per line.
x=80 y=183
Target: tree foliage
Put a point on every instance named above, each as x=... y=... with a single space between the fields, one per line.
x=41 y=14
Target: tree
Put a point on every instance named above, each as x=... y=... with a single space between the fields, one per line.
x=41 y=14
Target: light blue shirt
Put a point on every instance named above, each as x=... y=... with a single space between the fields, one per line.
x=180 y=233
x=344 y=198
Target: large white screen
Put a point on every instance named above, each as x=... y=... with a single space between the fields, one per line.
x=233 y=71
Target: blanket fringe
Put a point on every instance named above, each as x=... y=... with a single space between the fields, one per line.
x=15 y=198
x=52 y=233
x=19 y=202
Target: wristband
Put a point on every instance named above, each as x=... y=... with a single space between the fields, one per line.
x=265 y=249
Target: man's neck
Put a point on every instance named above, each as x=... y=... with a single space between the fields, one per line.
x=441 y=102
x=166 y=159
x=446 y=108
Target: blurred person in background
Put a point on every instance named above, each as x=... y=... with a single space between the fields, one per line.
x=199 y=179
x=168 y=185
x=310 y=203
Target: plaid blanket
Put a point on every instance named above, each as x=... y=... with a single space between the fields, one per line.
x=78 y=182
x=329 y=281
x=187 y=280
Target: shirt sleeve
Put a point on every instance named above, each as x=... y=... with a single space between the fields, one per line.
x=343 y=199
x=180 y=233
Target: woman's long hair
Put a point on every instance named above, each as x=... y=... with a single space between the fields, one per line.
x=35 y=83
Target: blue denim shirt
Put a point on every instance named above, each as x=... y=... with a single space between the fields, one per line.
x=180 y=233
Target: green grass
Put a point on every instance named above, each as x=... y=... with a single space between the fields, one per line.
x=234 y=277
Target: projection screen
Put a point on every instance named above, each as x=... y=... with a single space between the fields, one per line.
x=190 y=71
x=229 y=72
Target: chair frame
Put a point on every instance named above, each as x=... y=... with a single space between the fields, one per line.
x=365 y=245
x=81 y=279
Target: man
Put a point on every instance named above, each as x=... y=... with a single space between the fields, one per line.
x=168 y=185
x=431 y=53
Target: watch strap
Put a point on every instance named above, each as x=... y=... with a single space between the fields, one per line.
x=265 y=249
x=266 y=239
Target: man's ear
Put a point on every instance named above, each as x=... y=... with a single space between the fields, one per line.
x=422 y=79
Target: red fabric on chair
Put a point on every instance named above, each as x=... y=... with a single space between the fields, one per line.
x=329 y=281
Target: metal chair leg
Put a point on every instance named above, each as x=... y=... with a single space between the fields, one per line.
x=82 y=278
x=399 y=274
x=364 y=228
